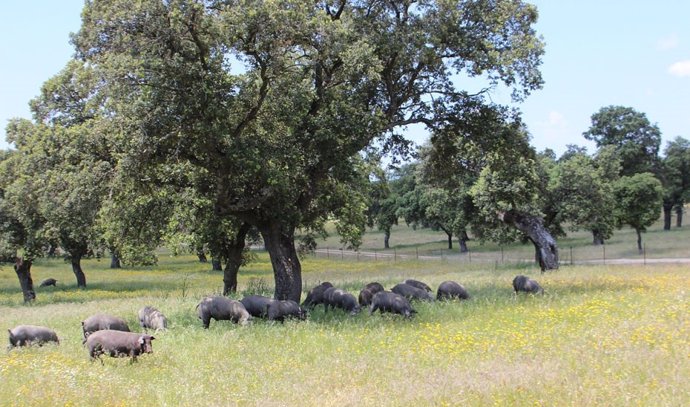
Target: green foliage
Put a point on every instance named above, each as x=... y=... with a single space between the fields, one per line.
x=676 y=171
x=638 y=200
x=274 y=101
x=583 y=192
x=635 y=139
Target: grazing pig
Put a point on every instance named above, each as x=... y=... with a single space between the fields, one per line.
x=365 y=297
x=47 y=282
x=386 y=301
x=256 y=305
x=25 y=335
x=337 y=298
x=100 y=322
x=374 y=287
x=450 y=289
x=151 y=318
x=118 y=344
x=523 y=283
x=411 y=292
x=222 y=308
x=418 y=284
x=278 y=310
x=368 y=293
x=315 y=295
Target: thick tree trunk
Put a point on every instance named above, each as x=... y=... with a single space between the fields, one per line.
x=597 y=238
x=23 y=269
x=639 y=240
x=202 y=256
x=216 y=265
x=115 y=261
x=287 y=270
x=386 y=239
x=78 y=272
x=450 y=240
x=668 y=207
x=532 y=226
x=679 y=216
x=463 y=239
x=233 y=259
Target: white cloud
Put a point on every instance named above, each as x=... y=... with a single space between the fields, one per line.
x=556 y=119
x=669 y=42
x=680 y=69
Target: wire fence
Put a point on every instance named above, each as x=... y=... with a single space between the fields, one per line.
x=567 y=255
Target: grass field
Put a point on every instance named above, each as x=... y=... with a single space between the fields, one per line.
x=602 y=335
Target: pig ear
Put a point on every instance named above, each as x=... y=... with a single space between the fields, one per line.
x=10 y=331
x=152 y=338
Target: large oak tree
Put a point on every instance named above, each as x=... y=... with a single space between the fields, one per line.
x=275 y=100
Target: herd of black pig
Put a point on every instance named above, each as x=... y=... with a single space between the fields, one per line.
x=107 y=334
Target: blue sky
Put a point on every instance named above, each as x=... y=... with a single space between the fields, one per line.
x=598 y=53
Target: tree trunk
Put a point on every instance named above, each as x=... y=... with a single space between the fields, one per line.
x=216 y=265
x=667 y=215
x=386 y=239
x=115 y=261
x=532 y=226
x=23 y=269
x=639 y=240
x=233 y=259
x=78 y=272
x=202 y=256
x=450 y=240
x=463 y=239
x=597 y=238
x=287 y=270
x=679 y=215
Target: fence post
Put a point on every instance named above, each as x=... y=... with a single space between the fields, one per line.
x=328 y=254
x=603 y=246
x=395 y=255
x=469 y=255
x=501 y=254
x=571 y=255
x=342 y=254
x=375 y=255
x=416 y=249
x=644 y=253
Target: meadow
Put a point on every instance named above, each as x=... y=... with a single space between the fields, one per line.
x=601 y=335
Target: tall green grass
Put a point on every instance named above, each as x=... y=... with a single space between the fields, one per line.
x=604 y=335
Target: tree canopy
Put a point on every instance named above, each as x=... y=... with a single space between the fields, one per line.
x=274 y=101
x=635 y=139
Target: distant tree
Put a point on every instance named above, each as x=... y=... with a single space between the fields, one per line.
x=483 y=153
x=584 y=194
x=21 y=222
x=635 y=139
x=676 y=179
x=431 y=207
x=384 y=203
x=193 y=224
x=638 y=202
x=63 y=149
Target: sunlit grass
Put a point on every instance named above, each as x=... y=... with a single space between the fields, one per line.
x=603 y=335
